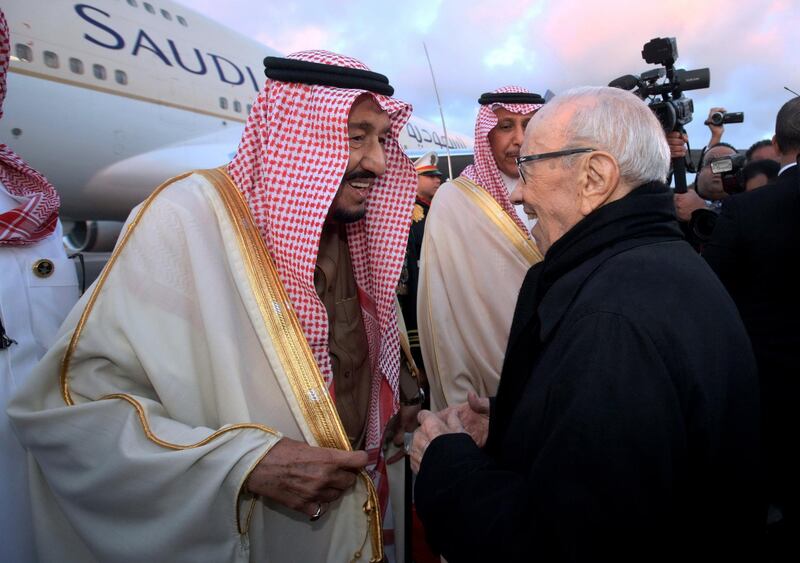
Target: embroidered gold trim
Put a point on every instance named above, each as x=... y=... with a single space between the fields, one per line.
x=290 y=343
x=101 y=280
x=500 y=218
x=140 y=412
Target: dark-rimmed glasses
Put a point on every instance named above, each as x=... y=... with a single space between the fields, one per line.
x=534 y=157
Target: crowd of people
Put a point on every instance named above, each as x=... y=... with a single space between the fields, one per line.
x=571 y=367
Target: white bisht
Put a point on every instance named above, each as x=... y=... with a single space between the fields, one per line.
x=167 y=385
x=474 y=258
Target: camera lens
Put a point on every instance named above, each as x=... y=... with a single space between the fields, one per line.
x=717 y=118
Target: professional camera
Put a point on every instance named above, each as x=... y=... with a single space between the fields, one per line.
x=721 y=117
x=664 y=88
x=673 y=109
x=730 y=170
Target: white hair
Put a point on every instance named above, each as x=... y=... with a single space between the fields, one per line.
x=618 y=122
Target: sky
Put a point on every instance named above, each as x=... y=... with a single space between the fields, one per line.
x=475 y=46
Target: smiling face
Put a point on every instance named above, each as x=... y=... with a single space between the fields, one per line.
x=368 y=128
x=506 y=139
x=551 y=190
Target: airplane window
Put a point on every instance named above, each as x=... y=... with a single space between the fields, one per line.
x=132 y=3
x=182 y=21
x=237 y=106
x=99 y=72
x=121 y=77
x=249 y=108
x=223 y=102
x=24 y=53
x=167 y=15
x=76 y=65
x=149 y=7
x=51 y=59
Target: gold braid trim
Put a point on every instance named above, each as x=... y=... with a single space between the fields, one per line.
x=140 y=411
x=290 y=343
x=486 y=203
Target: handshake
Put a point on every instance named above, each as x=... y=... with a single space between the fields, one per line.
x=470 y=418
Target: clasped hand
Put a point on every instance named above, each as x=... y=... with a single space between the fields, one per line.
x=471 y=418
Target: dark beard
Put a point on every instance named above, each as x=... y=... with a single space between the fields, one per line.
x=340 y=215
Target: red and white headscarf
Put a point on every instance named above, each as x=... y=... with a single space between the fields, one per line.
x=36 y=218
x=484 y=171
x=289 y=166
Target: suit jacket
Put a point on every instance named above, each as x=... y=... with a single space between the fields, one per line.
x=625 y=427
x=754 y=250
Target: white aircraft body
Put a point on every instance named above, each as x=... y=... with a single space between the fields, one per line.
x=108 y=98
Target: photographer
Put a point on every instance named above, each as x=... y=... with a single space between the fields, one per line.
x=697 y=209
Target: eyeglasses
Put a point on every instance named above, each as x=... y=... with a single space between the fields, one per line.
x=534 y=157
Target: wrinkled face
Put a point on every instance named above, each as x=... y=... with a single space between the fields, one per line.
x=766 y=153
x=709 y=186
x=368 y=128
x=550 y=191
x=506 y=139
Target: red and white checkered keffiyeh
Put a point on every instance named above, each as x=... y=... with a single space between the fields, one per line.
x=36 y=218
x=290 y=163
x=484 y=171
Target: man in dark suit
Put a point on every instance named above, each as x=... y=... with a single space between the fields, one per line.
x=625 y=426
x=754 y=250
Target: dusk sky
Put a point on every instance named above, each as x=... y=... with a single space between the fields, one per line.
x=750 y=46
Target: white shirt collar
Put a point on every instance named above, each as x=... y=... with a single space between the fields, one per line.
x=785 y=168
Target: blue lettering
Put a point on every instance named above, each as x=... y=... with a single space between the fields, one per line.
x=253 y=78
x=222 y=76
x=180 y=62
x=153 y=48
x=81 y=10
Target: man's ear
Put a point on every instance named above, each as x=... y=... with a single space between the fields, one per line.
x=601 y=179
x=775 y=144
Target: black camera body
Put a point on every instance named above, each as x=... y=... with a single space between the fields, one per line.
x=730 y=169
x=664 y=88
x=672 y=108
x=722 y=117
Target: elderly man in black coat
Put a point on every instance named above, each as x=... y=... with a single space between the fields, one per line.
x=625 y=427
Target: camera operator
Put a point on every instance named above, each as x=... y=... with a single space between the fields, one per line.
x=697 y=209
x=716 y=130
x=756 y=239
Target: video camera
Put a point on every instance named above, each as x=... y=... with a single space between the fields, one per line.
x=722 y=117
x=664 y=88
x=730 y=169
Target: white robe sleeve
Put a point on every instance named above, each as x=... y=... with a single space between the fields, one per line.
x=153 y=475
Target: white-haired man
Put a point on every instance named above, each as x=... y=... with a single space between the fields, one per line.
x=625 y=427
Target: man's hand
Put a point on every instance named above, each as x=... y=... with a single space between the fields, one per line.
x=716 y=130
x=432 y=426
x=407 y=422
x=305 y=478
x=677 y=144
x=687 y=203
x=474 y=415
